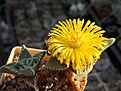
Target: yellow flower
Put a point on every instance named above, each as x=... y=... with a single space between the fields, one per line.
x=76 y=45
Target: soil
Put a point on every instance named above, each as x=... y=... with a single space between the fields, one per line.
x=49 y=80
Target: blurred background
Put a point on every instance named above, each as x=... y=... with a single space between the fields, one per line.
x=29 y=21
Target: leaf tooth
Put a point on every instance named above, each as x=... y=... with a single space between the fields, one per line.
x=7 y=67
x=13 y=70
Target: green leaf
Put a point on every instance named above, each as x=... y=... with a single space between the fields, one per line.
x=24 y=54
x=54 y=64
x=28 y=71
x=9 y=68
x=40 y=55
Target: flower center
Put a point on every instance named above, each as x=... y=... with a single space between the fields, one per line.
x=74 y=39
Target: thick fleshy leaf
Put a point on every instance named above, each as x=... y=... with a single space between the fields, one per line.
x=24 y=54
x=28 y=71
x=32 y=82
x=109 y=42
x=39 y=55
x=86 y=70
x=54 y=64
x=79 y=76
x=25 y=66
x=9 y=68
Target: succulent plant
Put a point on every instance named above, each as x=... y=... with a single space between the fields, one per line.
x=74 y=46
x=26 y=64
